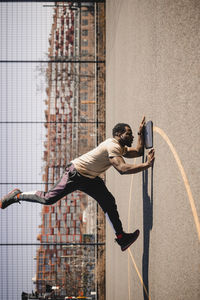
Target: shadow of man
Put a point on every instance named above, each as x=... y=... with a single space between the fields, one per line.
x=147 y=227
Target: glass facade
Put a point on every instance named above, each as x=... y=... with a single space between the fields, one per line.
x=52 y=110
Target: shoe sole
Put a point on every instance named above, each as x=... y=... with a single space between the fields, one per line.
x=6 y=198
x=137 y=232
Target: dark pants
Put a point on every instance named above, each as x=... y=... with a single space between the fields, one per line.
x=70 y=181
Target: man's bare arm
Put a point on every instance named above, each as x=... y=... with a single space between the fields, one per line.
x=139 y=149
x=134 y=152
x=123 y=168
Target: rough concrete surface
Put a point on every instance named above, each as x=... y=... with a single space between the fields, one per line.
x=152 y=62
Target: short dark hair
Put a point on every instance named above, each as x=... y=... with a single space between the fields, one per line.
x=119 y=128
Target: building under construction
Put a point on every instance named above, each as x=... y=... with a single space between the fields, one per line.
x=71 y=258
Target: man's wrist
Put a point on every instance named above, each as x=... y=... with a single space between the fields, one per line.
x=140 y=133
x=147 y=164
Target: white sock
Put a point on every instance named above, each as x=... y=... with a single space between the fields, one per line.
x=29 y=193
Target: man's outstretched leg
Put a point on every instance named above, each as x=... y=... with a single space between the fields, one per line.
x=65 y=185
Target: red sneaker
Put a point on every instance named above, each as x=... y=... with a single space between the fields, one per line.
x=127 y=239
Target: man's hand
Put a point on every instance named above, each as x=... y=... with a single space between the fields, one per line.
x=141 y=127
x=151 y=157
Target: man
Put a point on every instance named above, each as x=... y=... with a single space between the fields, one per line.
x=83 y=173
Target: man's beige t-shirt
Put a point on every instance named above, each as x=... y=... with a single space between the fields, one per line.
x=96 y=161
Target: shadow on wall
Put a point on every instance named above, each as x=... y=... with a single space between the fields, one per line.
x=147 y=227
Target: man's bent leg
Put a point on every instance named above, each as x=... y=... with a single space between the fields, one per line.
x=97 y=189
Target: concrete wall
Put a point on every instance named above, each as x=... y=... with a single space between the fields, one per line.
x=153 y=49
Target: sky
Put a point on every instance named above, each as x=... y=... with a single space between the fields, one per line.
x=24 y=32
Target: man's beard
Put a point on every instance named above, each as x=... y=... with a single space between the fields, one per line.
x=129 y=144
x=126 y=143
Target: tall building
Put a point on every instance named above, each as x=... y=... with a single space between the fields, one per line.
x=69 y=258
